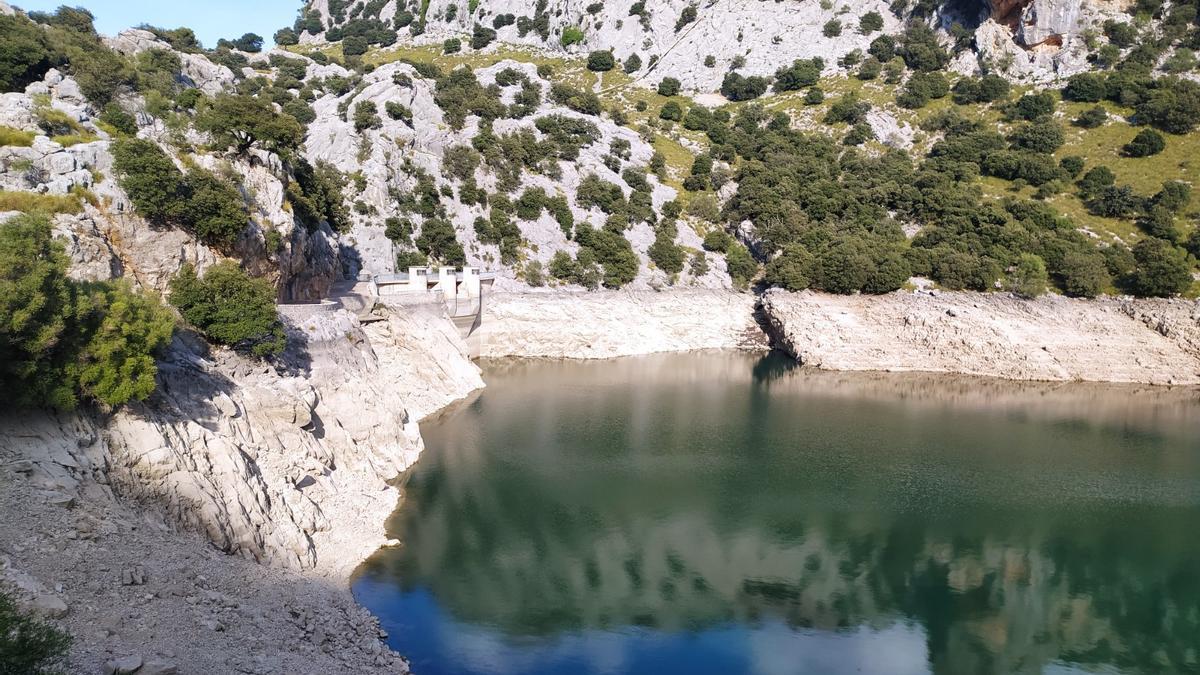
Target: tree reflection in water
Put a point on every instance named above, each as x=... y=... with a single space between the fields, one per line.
x=1008 y=526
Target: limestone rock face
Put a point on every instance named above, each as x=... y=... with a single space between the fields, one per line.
x=617 y=323
x=765 y=35
x=390 y=157
x=207 y=76
x=264 y=462
x=1050 y=338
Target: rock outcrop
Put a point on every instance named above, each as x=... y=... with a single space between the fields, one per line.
x=288 y=466
x=617 y=323
x=1050 y=338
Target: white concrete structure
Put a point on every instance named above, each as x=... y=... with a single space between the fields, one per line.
x=454 y=286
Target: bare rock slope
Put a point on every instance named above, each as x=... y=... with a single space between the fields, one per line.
x=1051 y=338
x=617 y=323
x=289 y=467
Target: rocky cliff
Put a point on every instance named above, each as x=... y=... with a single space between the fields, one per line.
x=1051 y=338
x=1038 y=39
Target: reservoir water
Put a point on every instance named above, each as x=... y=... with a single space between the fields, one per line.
x=730 y=513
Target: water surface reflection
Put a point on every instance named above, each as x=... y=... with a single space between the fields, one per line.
x=727 y=513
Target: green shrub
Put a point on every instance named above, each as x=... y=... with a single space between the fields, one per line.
x=802 y=73
x=15 y=137
x=116 y=117
x=202 y=203
x=740 y=264
x=665 y=253
x=451 y=46
x=832 y=28
x=1091 y=118
x=671 y=110
x=25 y=54
x=1028 y=277
x=1084 y=274
x=29 y=645
x=230 y=308
x=601 y=61
x=1162 y=269
x=1147 y=142
x=399 y=111
x=668 y=86
x=571 y=35
x=737 y=87
x=61 y=340
x=366 y=116
x=688 y=15
x=633 y=63
x=870 y=22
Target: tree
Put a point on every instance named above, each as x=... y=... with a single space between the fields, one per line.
x=870 y=22
x=632 y=64
x=241 y=122
x=671 y=111
x=737 y=87
x=285 y=37
x=1162 y=269
x=24 y=52
x=1147 y=142
x=451 y=46
x=1084 y=274
x=230 y=308
x=668 y=86
x=1028 y=277
x=832 y=28
x=249 y=42
x=439 y=241
x=1173 y=106
x=802 y=73
x=150 y=178
x=601 y=61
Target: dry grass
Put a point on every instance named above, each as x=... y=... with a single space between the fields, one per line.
x=34 y=202
x=16 y=137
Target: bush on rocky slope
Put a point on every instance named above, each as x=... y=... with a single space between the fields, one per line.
x=29 y=645
x=62 y=340
x=230 y=308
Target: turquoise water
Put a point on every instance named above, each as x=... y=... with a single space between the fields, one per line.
x=715 y=513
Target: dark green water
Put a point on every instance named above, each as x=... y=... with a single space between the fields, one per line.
x=730 y=514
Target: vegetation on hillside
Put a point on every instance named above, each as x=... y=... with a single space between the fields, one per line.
x=29 y=645
x=230 y=308
x=63 y=341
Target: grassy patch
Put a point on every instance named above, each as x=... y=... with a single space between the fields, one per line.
x=35 y=202
x=16 y=137
x=68 y=140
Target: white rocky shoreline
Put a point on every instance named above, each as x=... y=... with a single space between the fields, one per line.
x=122 y=525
